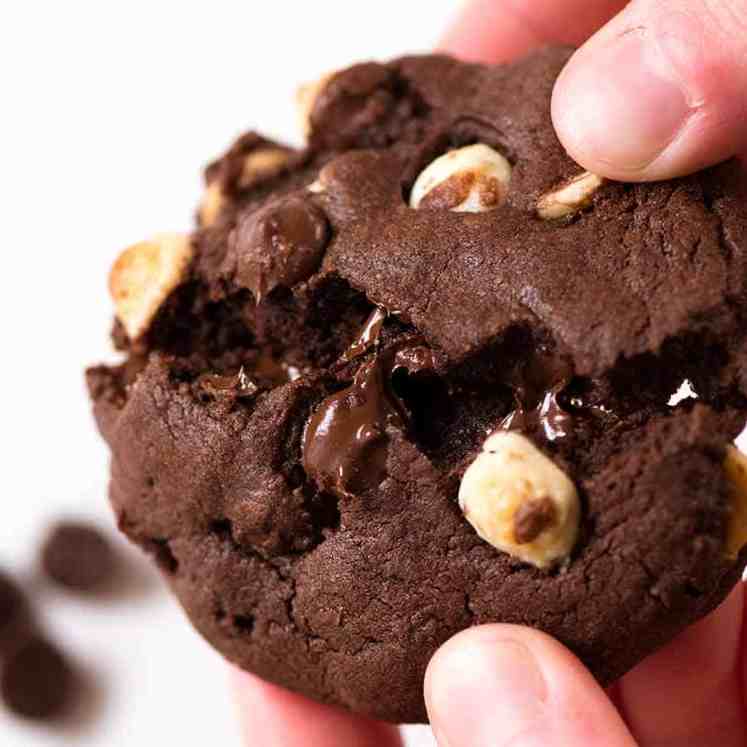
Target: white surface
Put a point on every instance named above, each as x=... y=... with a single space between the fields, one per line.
x=110 y=110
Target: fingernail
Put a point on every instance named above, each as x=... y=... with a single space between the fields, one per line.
x=484 y=693
x=620 y=103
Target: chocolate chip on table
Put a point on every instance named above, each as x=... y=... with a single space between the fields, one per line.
x=78 y=557
x=281 y=245
x=37 y=681
x=482 y=472
x=13 y=614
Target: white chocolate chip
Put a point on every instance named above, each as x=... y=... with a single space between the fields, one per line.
x=212 y=203
x=570 y=198
x=144 y=275
x=257 y=164
x=306 y=96
x=520 y=501
x=262 y=162
x=473 y=179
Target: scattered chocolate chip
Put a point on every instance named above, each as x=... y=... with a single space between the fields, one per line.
x=532 y=518
x=280 y=245
x=13 y=614
x=37 y=681
x=78 y=557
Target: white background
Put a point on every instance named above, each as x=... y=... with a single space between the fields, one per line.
x=109 y=111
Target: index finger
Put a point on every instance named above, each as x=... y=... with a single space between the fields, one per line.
x=501 y=30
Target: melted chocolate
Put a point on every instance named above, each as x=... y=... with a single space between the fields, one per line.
x=538 y=383
x=267 y=372
x=282 y=244
x=346 y=439
x=549 y=417
x=368 y=336
x=344 y=448
x=414 y=357
x=239 y=385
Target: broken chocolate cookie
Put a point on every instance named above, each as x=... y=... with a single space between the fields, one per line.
x=420 y=375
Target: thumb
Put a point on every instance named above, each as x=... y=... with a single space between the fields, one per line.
x=507 y=685
x=659 y=92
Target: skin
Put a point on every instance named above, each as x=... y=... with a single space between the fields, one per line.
x=657 y=89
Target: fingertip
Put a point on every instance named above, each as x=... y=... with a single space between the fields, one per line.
x=658 y=93
x=497 y=683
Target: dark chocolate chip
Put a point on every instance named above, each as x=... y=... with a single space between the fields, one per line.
x=346 y=438
x=280 y=245
x=37 y=681
x=368 y=336
x=78 y=557
x=352 y=101
x=14 y=617
x=532 y=518
x=345 y=442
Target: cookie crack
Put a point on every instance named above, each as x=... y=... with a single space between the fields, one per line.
x=434 y=285
x=222 y=530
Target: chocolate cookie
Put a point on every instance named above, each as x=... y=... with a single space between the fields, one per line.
x=78 y=557
x=426 y=374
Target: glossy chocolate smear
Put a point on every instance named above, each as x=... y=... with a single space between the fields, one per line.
x=368 y=336
x=346 y=439
x=280 y=245
x=537 y=387
x=548 y=417
x=239 y=385
x=344 y=449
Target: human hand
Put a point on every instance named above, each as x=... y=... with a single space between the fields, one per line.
x=505 y=685
x=659 y=91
